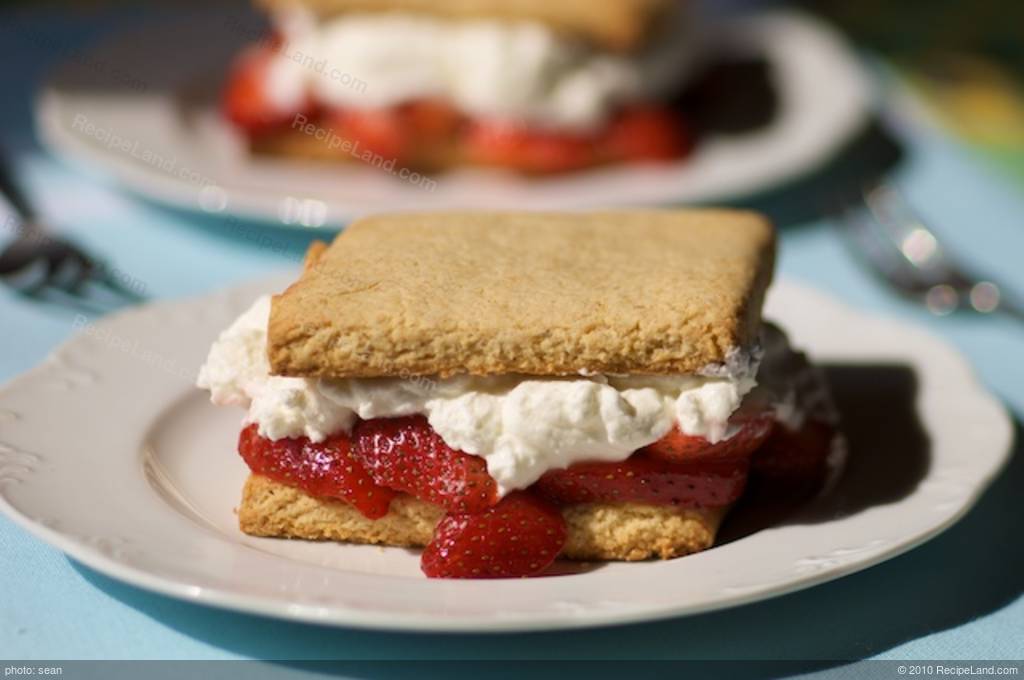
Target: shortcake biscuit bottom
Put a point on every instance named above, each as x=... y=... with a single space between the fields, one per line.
x=294 y=144
x=622 y=531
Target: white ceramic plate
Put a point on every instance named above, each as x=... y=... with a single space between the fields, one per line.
x=109 y=453
x=138 y=107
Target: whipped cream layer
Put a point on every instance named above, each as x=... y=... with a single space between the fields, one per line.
x=522 y=426
x=515 y=71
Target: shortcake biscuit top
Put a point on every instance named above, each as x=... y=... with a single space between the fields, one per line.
x=632 y=292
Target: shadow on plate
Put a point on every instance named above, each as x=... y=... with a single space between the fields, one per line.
x=888 y=451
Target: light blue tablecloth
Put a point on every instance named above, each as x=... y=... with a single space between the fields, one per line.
x=957 y=597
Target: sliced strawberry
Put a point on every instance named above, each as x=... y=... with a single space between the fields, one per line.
x=383 y=132
x=431 y=119
x=245 y=101
x=513 y=146
x=793 y=461
x=641 y=479
x=406 y=454
x=327 y=469
x=645 y=133
x=520 y=536
x=676 y=447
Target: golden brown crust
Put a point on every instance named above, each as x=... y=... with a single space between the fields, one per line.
x=272 y=509
x=613 y=24
x=627 y=292
x=315 y=251
x=625 y=531
x=631 y=531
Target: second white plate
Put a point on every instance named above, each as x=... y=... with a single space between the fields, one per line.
x=139 y=108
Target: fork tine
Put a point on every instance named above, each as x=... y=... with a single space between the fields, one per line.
x=62 y=277
x=60 y=298
x=913 y=238
x=897 y=242
x=83 y=273
x=63 y=271
x=103 y=278
x=88 y=271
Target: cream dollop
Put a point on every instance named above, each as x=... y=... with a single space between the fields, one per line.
x=522 y=426
x=515 y=71
x=237 y=373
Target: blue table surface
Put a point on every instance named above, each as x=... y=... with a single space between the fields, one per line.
x=957 y=597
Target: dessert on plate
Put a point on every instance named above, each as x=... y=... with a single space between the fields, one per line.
x=529 y=85
x=505 y=388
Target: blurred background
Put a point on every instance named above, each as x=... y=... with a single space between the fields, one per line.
x=965 y=59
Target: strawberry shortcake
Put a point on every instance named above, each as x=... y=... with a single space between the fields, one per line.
x=503 y=389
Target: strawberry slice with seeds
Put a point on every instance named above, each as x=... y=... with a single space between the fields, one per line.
x=520 y=536
x=406 y=454
x=642 y=479
x=676 y=447
x=326 y=469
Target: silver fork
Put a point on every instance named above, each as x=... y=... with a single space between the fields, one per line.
x=44 y=266
x=894 y=241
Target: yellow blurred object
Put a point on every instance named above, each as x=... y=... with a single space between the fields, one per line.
x=976 y=97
